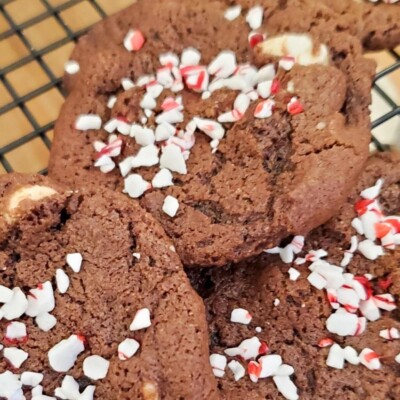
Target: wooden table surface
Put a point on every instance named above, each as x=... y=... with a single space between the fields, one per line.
x=33 y=155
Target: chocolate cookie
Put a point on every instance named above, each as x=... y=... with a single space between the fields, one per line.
x=250 y=128
x=93 y=298
x=279 y=308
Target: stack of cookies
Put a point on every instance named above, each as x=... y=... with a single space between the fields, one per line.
x=213 y=225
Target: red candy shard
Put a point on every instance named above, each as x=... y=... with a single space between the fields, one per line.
x=255 y=39
x=276 y=86
x=137 y=40
x=362 y=206
x=371 y=355
x=294 y=107
x=395 y=223
x=254 y=368
x=325 y=342
x=366 y=283
x=382 y=229
x=384 y=284
x=263 y=349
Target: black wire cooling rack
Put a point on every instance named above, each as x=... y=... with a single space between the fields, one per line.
x=54 y=9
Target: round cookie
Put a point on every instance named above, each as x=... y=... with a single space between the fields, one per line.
x=291 y=316
x=268 y=172
x=93 y=275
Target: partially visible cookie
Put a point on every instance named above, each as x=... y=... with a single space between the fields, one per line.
x=91 y=289
x=250 y=127
x=293 y=319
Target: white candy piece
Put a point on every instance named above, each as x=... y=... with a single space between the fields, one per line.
x=63 y=355
x=397 y=358
x=164 y=131
x=162 y=179
x=233 y=12
x=69 y=389
x=351 y=355
x=37 y=391
x=372 y=192
x=170 y=206
x=95 y=367
x=10 y=386
x=16 y=331
x=190 y=56
x=15 y=356
x=141 y=320
x=135 y=185
x=390 y=334
x=237 y=369
x=127 y=84
x=358 y=226
x=148 y=102
x=369 y=359
x=127 y=349
x=218 y=364
x=248 y=349
x=342 y=323
x=335 y=357
x=286 y=387
x=86 y=122
x=277 y=302
x=16 y=307
x=264 y=89
x=32 y=379
x=255 y=17
x=46 y=321
x=145 y=137
x=172 y=159
x=173 y=116
x=154 y=90
x=211 y=128
x=370 y=310
x=40 y=300
x=294 y=274
x=284 y=370
x=111 y=101
x=105 y=163
x=71 y=67
x=6 y=294
x=269 y=365
x=241 y=316
x=147 y=156
x=264 y=109
x=224 y=65
x=74 y=260
x=317 y=280
x=62 y=281
x=125 y=166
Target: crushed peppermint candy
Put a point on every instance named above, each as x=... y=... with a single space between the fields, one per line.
x=15 y=356
x=135 y=185
x=218 y=364
x=70 y=390
x=233 y=12
x=294 y=274
x=16 y=306
x=390 y=334
x=370 y=359
x=95 y=367
x=162 y=179
x=254 y=17
x=40 y=300
x=63 y=355
x=86 y=122
x=71 y=67
x=237 y=369
x=241 y=316
x=134 y=40
x=32 y=379
x=74 y=260
x=170 y=206
x=62 y=281
x=46 y=321
x=141 y=320
x=11 y=386
x=15 y=333
x=127 y=349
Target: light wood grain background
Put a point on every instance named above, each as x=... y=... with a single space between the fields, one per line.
x=33 y=155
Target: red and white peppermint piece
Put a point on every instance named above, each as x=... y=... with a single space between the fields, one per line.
x=342 y=323
x=248 y=349
x=190 y=56
x=255 y=38
x=134 y=40
x=373 y=192
x=269 y=365
x=170 y=103
x=74 y=261
x=141 y=320
x=162 y=179
x=294 y=274
x=241 y=316
x=32 y=379
x=385 y=302
x=351 y=355
x=63 y=355
x=286 y=387
x=390 y=333
x=335 y=357
x=294 y=106
x=10 y=386
x=147 y=156
x=370 y=310
x=196 y=77
x=254 y=17
x=127 y=84
x=6 y=294
x=85 y=122
x=164 y=131
x=135 y=186
x=370 y=250
x=71 y=67
x=169 y=60
x=237 y=369
x=211 y=128
x=45 y=321
x=349 y=299
x=95 y=367
x=287 y=63
x=361 y=326
x=233 y=12
x=264 y=109
x=224 y=65
x=15 y=333
x=40 y=300
x=254 y=370
x=145 y=80
x=16 y=357
x=172 y=159
x=370 y=359
x=127 y=349
x=325 y=342
x=332 y=298
x=62 y=281
x=218 y=364
x=170 y=206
